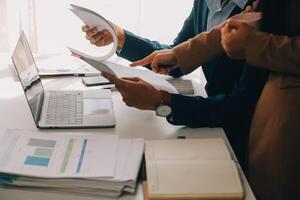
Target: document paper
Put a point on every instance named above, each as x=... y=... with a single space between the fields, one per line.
x=58 y=156
x=60 y=64
x=93 y=19
x=119 y=70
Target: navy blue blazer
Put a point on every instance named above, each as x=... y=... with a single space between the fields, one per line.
x=233 y=87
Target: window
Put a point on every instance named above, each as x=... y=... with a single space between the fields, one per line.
x=50 y=26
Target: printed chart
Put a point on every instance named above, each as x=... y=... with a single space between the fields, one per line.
x=58 y=155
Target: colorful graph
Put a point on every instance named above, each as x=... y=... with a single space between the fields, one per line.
x=67 y=156
x=42 y=152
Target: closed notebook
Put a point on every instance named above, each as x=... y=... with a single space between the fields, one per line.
x=191 y=169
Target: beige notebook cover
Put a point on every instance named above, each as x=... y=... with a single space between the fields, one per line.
x=191 y=169
x=187 y=149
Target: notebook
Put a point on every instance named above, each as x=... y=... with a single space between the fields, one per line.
x=190 y=169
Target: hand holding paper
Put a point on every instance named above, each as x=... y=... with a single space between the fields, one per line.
x=93 y=19
x=136 y=92
x=102 y=37
x=118 y=70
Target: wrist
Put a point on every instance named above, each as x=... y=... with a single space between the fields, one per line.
x=121 y=36
x=162 y=97
x=165 y=97
x=163 y=109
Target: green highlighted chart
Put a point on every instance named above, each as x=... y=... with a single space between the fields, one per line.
x=57 y=156
x=67 y=156
x=42 y=152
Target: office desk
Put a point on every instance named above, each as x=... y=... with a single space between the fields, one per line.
x=130 y=122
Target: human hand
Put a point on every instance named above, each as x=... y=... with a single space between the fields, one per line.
x=161 y=62
x=234 y=38
x=253 y=7
x=136 y=92
x=103 y=37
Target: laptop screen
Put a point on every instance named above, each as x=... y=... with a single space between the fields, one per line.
x=28 y=75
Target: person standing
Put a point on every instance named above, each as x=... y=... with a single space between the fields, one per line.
x=275 y=134
x=228 y=106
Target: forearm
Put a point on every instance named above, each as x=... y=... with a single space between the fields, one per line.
x=136 y=47
x=223 y=109
x=277 y=53
x=198 y=50
x=217 y=111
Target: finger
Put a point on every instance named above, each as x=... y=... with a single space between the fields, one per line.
x=92 y=32
x=164 y=71
x=112 y=78
x=134 y=79
x=234 y=24
x=145 y=61
x=249 y=9
x=102 y=39
x=97 y=38
x=225 y=31
x=157 y=64
x=85 y=28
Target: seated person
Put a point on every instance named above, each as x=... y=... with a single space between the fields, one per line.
x=230 y=103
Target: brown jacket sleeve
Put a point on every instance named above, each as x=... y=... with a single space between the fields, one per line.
x=203 y=47
x=198 y=50
x=277 y=53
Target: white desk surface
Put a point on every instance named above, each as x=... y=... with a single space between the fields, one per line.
x=131 y=123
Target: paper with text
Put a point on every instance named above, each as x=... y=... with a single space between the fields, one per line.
x=58 y=156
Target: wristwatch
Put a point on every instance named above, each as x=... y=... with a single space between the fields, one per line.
x=163 y=110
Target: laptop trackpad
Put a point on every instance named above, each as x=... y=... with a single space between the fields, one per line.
x=96 y=106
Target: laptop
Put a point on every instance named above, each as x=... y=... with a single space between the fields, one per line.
x=60 y=109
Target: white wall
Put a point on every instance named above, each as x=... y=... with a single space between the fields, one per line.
x=50 y=26
x=156 y=19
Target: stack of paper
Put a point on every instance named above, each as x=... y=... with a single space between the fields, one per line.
x=93 y=19
x=191 y=169
x=89 y=165
x=118 y=70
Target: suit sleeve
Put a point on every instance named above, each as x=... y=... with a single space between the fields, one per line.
x=199 y=50
x=222 y=109
x=136 y=47
x=276 y=53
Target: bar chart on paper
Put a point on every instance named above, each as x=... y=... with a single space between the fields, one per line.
x=43 y=150
x=59 y=155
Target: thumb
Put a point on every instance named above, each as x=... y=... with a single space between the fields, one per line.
x=133 y=79
x=112 y=78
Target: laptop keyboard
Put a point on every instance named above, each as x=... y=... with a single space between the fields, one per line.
x=65 y=108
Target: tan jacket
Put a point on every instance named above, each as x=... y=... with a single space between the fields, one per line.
x=275 y=135
x=198 y=50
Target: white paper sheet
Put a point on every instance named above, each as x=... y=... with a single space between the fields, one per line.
x=58 y=156
x=130 y=154
x=60 y=64
x=119 y=70
x=93 y=19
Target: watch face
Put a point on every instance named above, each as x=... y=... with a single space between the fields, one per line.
x=163 y=110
